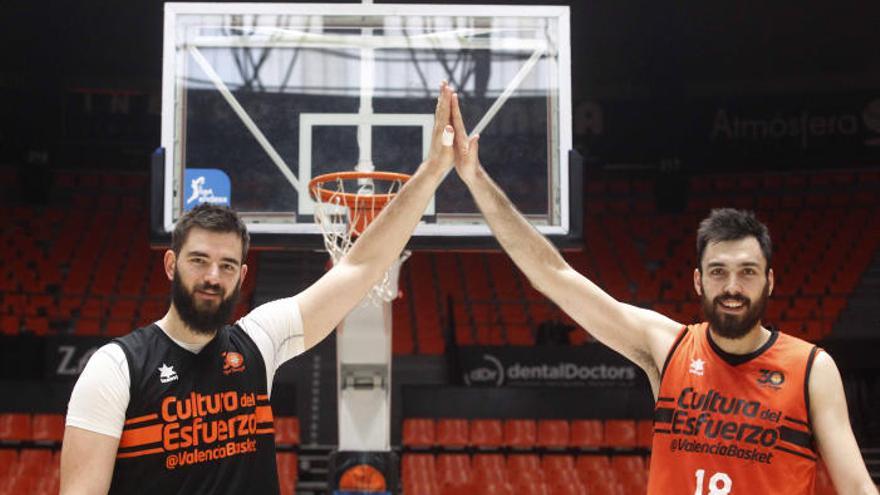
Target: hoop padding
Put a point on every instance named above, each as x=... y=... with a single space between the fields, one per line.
x=343 y=215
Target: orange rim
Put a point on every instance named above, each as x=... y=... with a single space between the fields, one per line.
x=354 y=200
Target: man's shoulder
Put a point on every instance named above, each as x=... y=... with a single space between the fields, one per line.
x=137 y=337
x=796 y=345
x=110 y=354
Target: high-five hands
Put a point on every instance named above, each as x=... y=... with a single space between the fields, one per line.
x=440 y=153
x=467 y=160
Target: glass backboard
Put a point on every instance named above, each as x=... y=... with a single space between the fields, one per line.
x=259 y=98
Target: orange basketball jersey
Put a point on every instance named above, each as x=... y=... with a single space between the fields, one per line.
x=733 y=424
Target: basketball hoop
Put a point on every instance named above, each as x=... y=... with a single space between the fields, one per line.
x=345 y=205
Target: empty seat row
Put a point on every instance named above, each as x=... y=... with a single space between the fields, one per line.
x=288 y=472
x=37 y=471
x=24 y=427
x=523 y=473
x=49 y=429
x=94 y=325
x=31 y=471
x=526 y=433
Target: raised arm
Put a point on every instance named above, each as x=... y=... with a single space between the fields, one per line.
x=327 y=301
x=834 y=436
x=643 y=336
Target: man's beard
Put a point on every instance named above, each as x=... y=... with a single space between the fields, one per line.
x=735 y=326
x=204 y=321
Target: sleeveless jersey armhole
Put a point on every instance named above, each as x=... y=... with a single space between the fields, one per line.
x=813 y=352
x=672 y=349
x=129 y=360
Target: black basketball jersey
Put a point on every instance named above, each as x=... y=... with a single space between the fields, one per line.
x=195 y=423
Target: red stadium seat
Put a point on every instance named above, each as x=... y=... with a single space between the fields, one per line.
x=627 y=465
x=489 y=468
x=16 y=427
x=532 y=487
x=452 y=432
x=47 y=485
x=18 y=484
x=620 y=433
x=152 y=310
x=287 y=472
x=14 y=304
x=418 y=432
x=557 y=463
x=494 y=488
x=592 y=464
x=39 y=325
x=422 y=488
x=524 y=467
x=48 y=428
x=831 y=306
x=418 y=474
x=123 y=309
x=402 y=338
x=286 y=430
x=520 y=335
x=486 y=433
x=553 y=433
x=644 y=433
x=36 y=462
x=39 y=304
x=10 y=324
x=88 y=326
x=453 y=469
x=8 y=459
x=587 y=433
x=570 y=488
x=118 y=328
x=520 y=433
x=418 y=464
x=605 y=485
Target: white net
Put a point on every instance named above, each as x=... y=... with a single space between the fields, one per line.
x=342 y=216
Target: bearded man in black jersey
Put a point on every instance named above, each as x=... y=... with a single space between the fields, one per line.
x=182 y=405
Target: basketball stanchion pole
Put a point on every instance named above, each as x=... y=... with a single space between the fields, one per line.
x=363 y=462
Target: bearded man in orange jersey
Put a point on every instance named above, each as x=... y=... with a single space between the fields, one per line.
x=741 y=408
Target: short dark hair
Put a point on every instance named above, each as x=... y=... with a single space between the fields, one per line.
x=729 y=224
x=215 y=218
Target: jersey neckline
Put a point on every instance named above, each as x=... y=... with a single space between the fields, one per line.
x=183 y=345
x=738 y=359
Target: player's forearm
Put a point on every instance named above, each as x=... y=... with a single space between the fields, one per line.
x=387 y=235
x=869 y=488
x=862 y=486
x=530 y=250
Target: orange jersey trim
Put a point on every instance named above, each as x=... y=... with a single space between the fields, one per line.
x=263 y=414
x=141 y=419
x=139 y=453
x=141 y=436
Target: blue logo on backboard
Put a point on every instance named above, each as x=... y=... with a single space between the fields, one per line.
x=206 y=185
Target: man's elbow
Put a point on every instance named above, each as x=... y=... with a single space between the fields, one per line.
x=549 y=280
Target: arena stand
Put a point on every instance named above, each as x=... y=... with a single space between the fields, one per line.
x=644 y=256
x=81 y=265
